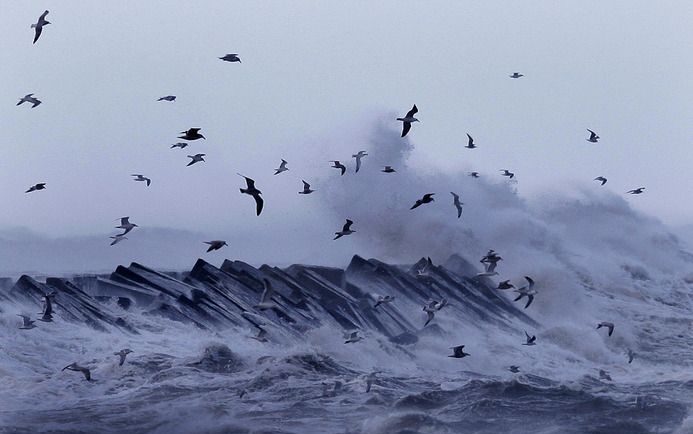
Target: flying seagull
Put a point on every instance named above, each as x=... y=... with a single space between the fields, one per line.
x=358 y=157
x=608 y=325
x=179 y=145
x=215 y=245
x=266 y=297
x=631 y=355
x=427 y=198
x=338 y=165
x=167 y=98
x=353 y=338
x=75 y=367
x=282 y=167
x=30 y=99
x=408 y=119
x=514 y=369
x=306 y=188
x=39 y=186
x=430 y=310
x=470 y=142
x=118 y=238
x=531 y=340
x=346 y=230
x=516 y=75
x=490 y=270
x=383 y=300
x=507 y=173
x=126 y=225
x=637 y=191
x=47 y=314
x=231 y=58
x=38 y=27
x=457 y=203
x=505 y=285
x=474 y=174
x=458 y=352
x=142 y=178
x=123 y=354
x=192 y=134
x=388 y=169
x=195 y=159
x=27 y=324
x=527 y=291
x=594 y=138
x=254 y=192
x=600 y=179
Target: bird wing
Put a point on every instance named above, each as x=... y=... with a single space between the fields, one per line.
x=306 y=186
x=491 y=267
x=406 y=126
x=37 y=33
x=530 y=299
x=43 y=16
x=353 y=335
x=358 y=163
x=471 y=141
x=259 y=203
x=149 y=181
x=412 y=112
x=530 y=281
x=268 y=291
x=124 y=221
x=431 y=314
x=347 y=225
x=122 y=358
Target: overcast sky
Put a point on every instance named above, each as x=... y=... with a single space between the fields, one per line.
x=315 y=80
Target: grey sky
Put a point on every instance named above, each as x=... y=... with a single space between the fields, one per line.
x=315 y=80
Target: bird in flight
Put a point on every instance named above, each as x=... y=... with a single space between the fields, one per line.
x=306 y=188
x=167 y=98
x=505 y=285
x=141 y=178
x=117 y=238
x=474 y=174
x=383 y=300
x=27 y=324
x=470 y=142
x=527 y=291
x=38 y=27
x=30 y=99
x=254 y=192
x=608 y=325
x=337 y=165
x=231 y=58
x=75 y=367
x=594 y=138
x=39 y=186
x=353 y=338
x=408 y=119
x=282 y=167
x=123 y=354
x=346 y=230
x=507 y=173
x=458 y=352
x=637 y=191
x=388 y=169
x=457 y=203
x=531 y=340
x=266 y=297
x=195 y=159
x=126 y=225
x=358 y=157
x=516 y=75
x=179 y=145
x=215 y=245
x=600 y=179
x=192 y=134
x=427 y=198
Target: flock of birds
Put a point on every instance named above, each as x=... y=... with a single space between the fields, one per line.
x=490 y=260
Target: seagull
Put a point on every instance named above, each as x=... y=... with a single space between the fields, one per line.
x=527 y=291
x=383 y=300
x=408 y=119
x=353 y=338
x=39 y=186
x=594 y=138
x=123 y=354
x=261 y=335
x=306 y=188
x=505 y=285
x=458 y=352
x=531 y=340
x=266 y=297
x=179 y=145
x=516 y=75
x=346 y=230
x=457 y=203
x=38 y=27
x=603 y=375
x=470 y=142
x=637 y=191
x=490 y=269
x=474 y=174
x=600 y=179
x=75 y=367
x=282 y=167
x=142 y=178
x=215 y=245
x=118 y=238
x=47 y=314
x=440 y=304
x=608 y=325
x=252 y=191
x=231 y=58
x=167 y=98
x=427 y=198
x=126 y=225
x=30 y=99
x=338 y=165
x=430 y=310
x=514 y=369
x=631 y=355
x=195 y=159
x=27 y=324
x=508 y=173
x=423 y=271
x=192 y=134
x=388 y=169
x=358 y=157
